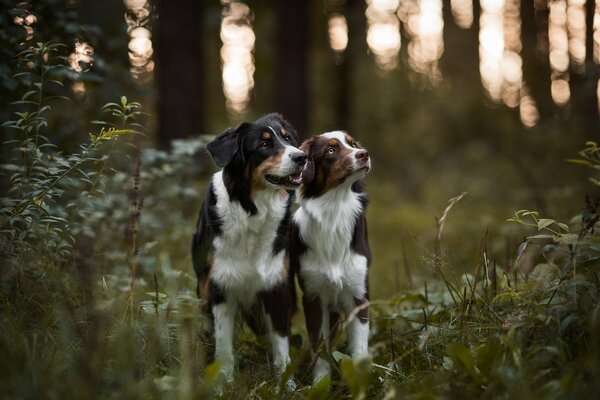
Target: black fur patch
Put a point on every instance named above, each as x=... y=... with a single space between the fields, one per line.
x=216 y=294
x=277 y=304
x=281 y=239
x=209 y=225
x=360 y=240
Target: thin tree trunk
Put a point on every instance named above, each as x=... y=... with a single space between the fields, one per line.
x=180 y=70
x=347 y=65
x=291 y=64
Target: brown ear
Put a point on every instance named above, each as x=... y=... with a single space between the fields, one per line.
x=309 y=172
x=308 y=175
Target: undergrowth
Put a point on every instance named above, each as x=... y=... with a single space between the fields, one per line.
x=97 y=301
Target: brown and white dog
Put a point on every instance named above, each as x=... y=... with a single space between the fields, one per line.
x=240 y=246
x=329 y=250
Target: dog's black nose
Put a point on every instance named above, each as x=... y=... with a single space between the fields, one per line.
x=299 y=158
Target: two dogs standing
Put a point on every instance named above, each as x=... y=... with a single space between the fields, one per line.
x=248 y=248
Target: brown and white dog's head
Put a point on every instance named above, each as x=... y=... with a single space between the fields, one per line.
x=334 y=158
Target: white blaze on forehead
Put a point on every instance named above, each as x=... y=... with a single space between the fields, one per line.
x=287 y=146
x=340 y=136
x=272 y=130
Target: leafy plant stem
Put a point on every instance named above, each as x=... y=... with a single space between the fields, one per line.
x=37 y=200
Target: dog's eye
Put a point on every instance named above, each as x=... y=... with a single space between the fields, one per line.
x=286 y=138
x=353 y=144
x=264 y=144
x=330 y=150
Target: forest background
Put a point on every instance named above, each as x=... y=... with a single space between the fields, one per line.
x=473 y=112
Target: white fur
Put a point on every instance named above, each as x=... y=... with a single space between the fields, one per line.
x=330 y=267
x=224 y=315
x=244 y=264
x=358 y=337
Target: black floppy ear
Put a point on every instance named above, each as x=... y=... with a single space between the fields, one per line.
x=308 y=174
x=226 y=145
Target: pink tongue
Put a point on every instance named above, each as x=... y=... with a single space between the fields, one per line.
x=297 y=178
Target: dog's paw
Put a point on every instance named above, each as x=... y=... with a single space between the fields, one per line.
x=321 y=370
x=290 y=385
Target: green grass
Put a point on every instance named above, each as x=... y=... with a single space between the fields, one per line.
x=72 y=333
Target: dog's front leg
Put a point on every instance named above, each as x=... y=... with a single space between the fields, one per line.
x=357 y=329
x=279 y=341
x=277 y=304
x=317 y=324
x=224 y=320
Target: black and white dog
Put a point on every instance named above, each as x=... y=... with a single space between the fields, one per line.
x=240 y=245
x=329 y=250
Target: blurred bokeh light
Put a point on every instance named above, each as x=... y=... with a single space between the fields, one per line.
x=236 y=55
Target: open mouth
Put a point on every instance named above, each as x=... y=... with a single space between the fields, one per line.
x=290 y=180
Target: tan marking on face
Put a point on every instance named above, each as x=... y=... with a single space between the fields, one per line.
x=266 y=136
x=282 y=130
x=333 y=142
x=336 y=174
x=349 y=140
x=268 y=166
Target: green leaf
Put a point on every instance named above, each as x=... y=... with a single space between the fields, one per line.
x=56 y=97
x=580 y=162
x=544 y=223
x=356 y=374
x=564 y=325
x=212 y=371
x=157 y=294
x=462 y=358
x=320 y=390
x=527 y=212
x=57 y=82
x=567 y=238
x=27 y=94
x=541 y=236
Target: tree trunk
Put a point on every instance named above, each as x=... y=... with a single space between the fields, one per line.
x=180 y=70
x=291 y=64
x=355 y=55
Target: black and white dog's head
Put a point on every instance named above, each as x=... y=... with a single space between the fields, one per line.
x=334 y=158
x=258 y=155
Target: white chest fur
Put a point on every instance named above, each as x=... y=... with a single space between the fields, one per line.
x=244 y=263
x=329 y=266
